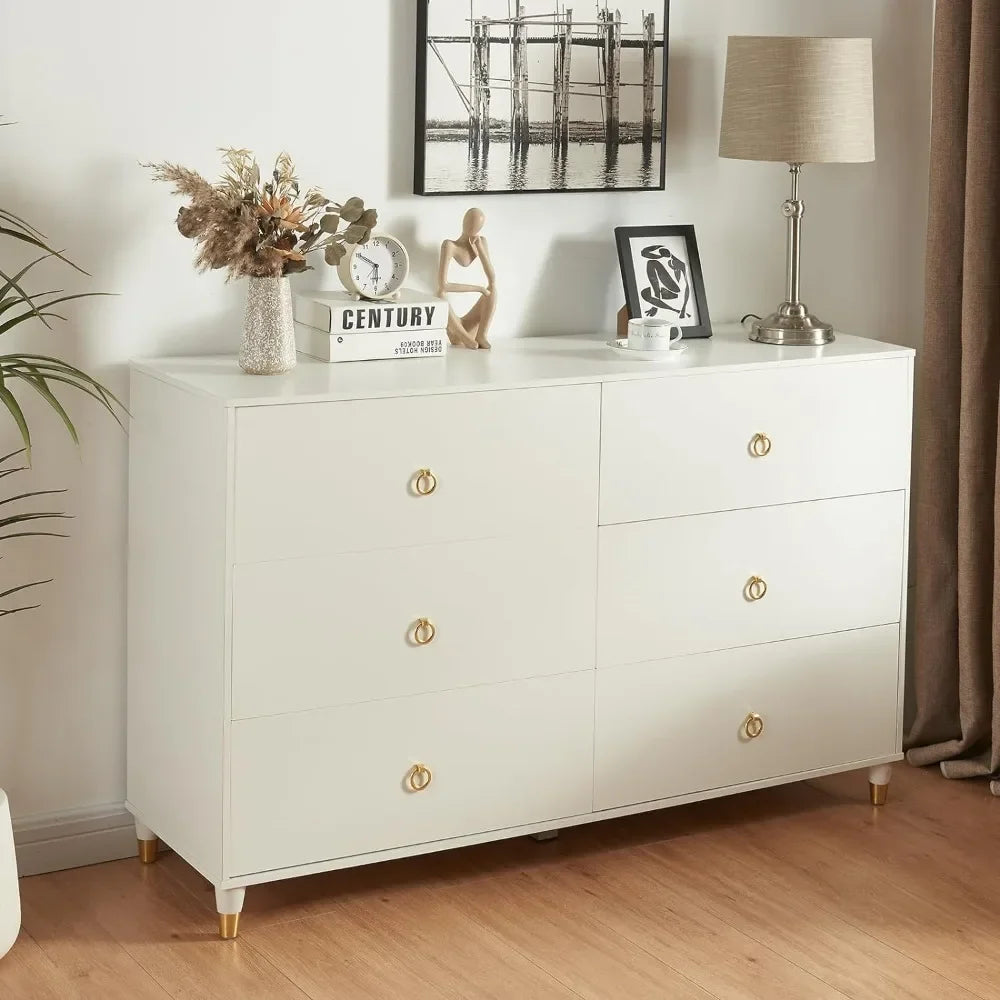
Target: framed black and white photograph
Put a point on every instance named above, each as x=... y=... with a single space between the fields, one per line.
x=540 y=95
x=661 y=272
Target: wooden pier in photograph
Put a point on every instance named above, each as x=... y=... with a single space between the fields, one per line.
x=605 y=34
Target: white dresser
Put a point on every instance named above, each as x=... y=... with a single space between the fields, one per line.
x=395 y=607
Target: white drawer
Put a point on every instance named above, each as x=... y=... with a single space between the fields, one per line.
x=318 y=785
x=673 y=727
x=680 y=585
x=683 y=445
x=338 y=477
x=339 y=629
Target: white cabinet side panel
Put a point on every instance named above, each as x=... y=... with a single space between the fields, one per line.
x=176 y=618
x=905 y=586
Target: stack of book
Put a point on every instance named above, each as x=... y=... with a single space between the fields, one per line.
x=332 y=326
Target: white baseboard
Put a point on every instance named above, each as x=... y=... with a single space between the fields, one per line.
x=72 y=839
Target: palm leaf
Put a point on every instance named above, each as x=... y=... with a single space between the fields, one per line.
x=15 y=220
x=7 y=398
x=37 y=382
x=39 y=312
x=39 y=306
x=47 y=364
x=85 y=389
x=35 y=242
x=12 y=282
x=24 y=518
x=16 y=300
x=16 y=590
x=32 y=313
x=39 y=370
x=23 y=586
x=28 y=496
x=35 y=534
x=12 y=519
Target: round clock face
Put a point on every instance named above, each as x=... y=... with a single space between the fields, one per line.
x=379 y=267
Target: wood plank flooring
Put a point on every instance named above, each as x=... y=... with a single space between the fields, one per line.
x=791 y=893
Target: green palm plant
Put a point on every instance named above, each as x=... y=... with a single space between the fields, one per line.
x=42 y=373
x=15 y=523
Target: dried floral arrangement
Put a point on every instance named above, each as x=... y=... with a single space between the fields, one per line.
x=262 y=230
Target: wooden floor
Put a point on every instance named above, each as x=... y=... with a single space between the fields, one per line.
x=791 y=893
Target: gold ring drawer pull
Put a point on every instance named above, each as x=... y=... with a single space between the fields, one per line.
x=424 y=632
x=419 y=777
x=753 y=726
x=760 y=445
x=755 y=589
x=425 y=483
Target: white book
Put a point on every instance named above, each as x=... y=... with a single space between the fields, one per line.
x=335 y=347
x=338 y=312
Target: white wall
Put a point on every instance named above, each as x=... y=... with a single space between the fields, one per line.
x=100 y=86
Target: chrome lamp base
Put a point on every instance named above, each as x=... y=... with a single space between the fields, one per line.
x=792 y=325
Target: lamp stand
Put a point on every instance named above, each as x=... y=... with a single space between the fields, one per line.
x=792 y=324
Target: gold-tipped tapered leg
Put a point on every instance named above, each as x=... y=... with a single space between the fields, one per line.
x=878 y=793
x=229 y=904
x=148 y=850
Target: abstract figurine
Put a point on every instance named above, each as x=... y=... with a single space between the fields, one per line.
x=471 y=329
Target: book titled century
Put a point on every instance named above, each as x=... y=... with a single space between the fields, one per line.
x=337 y=312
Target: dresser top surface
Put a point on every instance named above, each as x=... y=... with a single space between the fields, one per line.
x=511 y=364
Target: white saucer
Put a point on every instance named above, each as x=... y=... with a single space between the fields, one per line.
x=621 y=348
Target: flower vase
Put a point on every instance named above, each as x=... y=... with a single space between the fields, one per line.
x=268 y=346
x=10 y=901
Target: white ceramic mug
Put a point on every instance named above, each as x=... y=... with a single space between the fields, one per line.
x=651 y=334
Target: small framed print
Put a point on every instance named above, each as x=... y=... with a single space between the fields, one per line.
x=661 y=272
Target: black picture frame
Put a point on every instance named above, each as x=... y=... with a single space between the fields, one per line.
x=420 y=186
x=636 y=302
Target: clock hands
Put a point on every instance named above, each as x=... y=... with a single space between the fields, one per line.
x=373 y=266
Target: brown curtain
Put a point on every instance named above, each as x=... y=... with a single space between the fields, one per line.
x=956 y=516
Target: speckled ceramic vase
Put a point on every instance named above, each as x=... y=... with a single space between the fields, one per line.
x=10 y=901
x=268 y=346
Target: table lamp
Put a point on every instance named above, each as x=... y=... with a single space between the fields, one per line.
x=796 y=101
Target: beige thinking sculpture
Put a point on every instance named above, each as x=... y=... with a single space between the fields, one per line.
x=470 y=330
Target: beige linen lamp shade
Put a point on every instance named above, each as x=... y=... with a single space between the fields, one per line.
x=798 y=100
